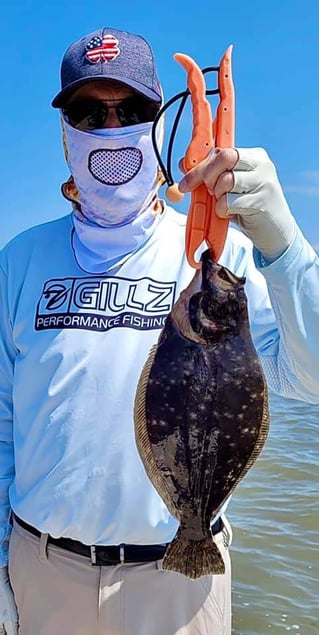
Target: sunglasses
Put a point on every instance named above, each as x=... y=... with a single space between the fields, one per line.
x=90 y=114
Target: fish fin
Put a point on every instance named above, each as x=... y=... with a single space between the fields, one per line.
x=193 y=558
x=142 y=439
x=141 y=433
x=260 y=441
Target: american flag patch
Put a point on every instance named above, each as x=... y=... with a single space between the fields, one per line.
x=102 y=49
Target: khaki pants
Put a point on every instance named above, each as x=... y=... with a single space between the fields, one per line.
x=61 y=593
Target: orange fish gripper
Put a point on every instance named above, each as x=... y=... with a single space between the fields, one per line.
x=208 y=133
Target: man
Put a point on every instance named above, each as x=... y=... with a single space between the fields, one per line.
x=83 y=299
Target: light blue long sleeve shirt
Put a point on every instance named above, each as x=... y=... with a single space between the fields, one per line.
x=72 y=346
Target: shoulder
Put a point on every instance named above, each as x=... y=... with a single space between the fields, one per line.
x=36 y=245
x=37 y=232
x=37 y=237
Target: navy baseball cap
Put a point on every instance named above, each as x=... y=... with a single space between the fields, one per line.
x=109 y=54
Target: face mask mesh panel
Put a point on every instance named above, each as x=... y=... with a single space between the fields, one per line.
x=115 y=167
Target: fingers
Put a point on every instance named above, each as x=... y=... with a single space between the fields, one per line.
x=222 y=207
x=250 y=158
x=224 y=184
x=215 y=171
x=229 y=172
x=209 y=170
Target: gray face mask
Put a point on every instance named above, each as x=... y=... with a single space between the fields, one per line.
x=114 y=170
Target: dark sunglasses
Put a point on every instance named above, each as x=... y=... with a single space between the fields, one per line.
x=90 y=114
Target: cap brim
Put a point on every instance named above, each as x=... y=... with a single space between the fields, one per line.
x=62 y=97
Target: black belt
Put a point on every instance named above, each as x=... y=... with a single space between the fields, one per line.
x=109 y=555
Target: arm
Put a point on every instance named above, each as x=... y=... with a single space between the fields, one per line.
x=293 y=286
x=288 y=347
x=8 y=611
x=7 y=354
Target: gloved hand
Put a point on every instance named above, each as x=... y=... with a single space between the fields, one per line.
x=247 y=190
x=8 y=609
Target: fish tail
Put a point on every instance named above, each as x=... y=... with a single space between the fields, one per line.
x=193 y=558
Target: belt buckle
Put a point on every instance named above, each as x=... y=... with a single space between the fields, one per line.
x=93 y=554
x=100 y=562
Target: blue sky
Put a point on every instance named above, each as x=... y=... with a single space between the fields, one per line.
x=275 y=62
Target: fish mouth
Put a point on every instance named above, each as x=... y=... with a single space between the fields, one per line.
x=211 y=304
x=216 y=277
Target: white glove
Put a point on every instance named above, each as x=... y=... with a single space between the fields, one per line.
x=257 y=204
x=8 y=609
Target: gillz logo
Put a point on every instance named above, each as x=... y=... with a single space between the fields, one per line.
x=99 y=304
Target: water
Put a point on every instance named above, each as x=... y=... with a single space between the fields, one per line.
x=274 y=515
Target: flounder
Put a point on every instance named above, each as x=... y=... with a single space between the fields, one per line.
x=201 y=412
